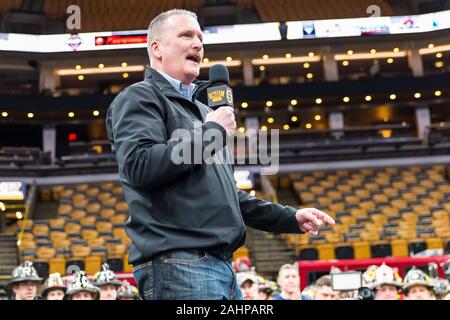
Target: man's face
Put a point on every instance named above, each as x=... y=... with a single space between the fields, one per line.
x=420 y=293
x=108 y=292
x=289 y=281
x=25 y=290
x=56 y=294
x=386 y=292
x=180 y=48
x=249 y=290
x=83 y=295
x=325 y=293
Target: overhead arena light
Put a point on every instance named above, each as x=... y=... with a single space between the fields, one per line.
x=231 y=63
x=364 y=56
x=437 y=49
x=301 y=59
x=71 y=72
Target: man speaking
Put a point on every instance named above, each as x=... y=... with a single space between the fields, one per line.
x=186 y=219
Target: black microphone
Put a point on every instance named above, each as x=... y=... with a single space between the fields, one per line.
x=219 y=93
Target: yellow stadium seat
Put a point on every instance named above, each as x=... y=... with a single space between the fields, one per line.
x=407 y=234
x=96 y=242
x=88 y=221
x=390 y=191
x=64 y=209
x=80 y=251
x=434 y=243
x=56 y=223
x=379 y=219
x=27 y=236
x=107 y=212
x=126 y=266
x=362 y=250
x=117 y=190
x=89 y=234
x=92 y=192
x=78 y=197
x=93 y=208
x=66 y=193
x=241 y=252
x=61 y=244
x=121 y=206
x=56 y=236
x=326 y=251
x=45 y=254
x=106 y=185
x=110 y=202
x=104 y=226
x=93 y=264
x=352 y=199
x=370 y=236
x=40 y=230
x=56 y=192
x=80 y=203
x=119 y=219
x=333 y=237
x=81 y=187
x=348 y=220
x=57 y=265
x=116 y=250
x=104 y=196
x=78 y=214
x=72 y=228
x=27 y=244
x=399 y=248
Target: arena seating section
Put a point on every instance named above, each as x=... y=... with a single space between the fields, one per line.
x=379 y=212
x=9 y=5
x=88 y=229
x=271 y=10
x=19 y=156
x=110 y=15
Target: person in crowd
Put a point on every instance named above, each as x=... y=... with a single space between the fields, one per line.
x=107 y=282
x=144 y=125
x=248 y=283
x=127 y=292
x=80 y=288
x=385 y=283
x=417 y=285
x=242 y=264
x=323 y=289
x=54 y=287
x=25 y=282
x=266 y=288
x=441 y=288
x=289 y=282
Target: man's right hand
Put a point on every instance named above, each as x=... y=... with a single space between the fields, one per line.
x=225 y=117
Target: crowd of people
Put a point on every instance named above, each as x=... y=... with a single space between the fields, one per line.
x=25 y=285
x=382 y=281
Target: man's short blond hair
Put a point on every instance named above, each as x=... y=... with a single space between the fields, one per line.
x=287 y=266
x=323 y=281
x=158 y=22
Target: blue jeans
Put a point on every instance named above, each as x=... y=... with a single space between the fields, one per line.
x=187 y=275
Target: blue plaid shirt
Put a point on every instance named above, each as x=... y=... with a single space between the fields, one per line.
x=184 y=90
